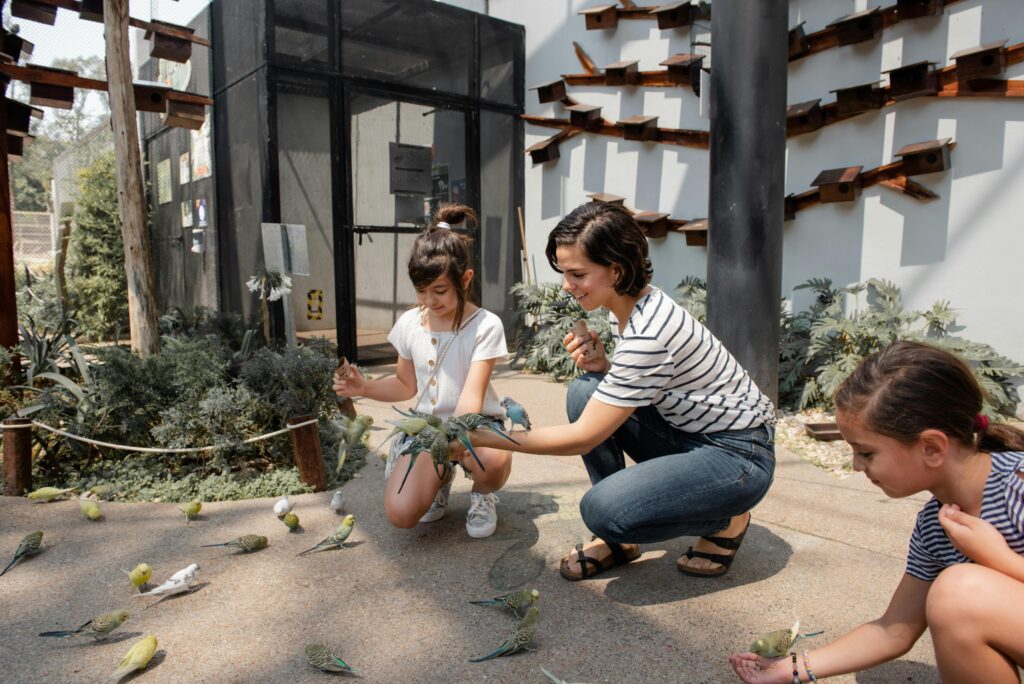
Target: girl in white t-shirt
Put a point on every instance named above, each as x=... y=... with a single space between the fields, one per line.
x=447 y=348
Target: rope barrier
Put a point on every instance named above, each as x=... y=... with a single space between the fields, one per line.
x=156 y=450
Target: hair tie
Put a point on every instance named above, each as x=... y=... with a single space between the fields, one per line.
x=980 y=422
x=443 y=224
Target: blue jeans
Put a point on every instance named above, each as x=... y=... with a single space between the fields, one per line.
x=682 y=484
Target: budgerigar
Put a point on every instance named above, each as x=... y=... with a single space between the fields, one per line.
x=139 y=575
x=178 y=583
x=282 y=506
x=46 y=494
x=99 y=627
x=777 y=643
x=520 y=639
x=479 y=421
x=514 y=601
x=191 y=510
x=90 y=509
x=30 y=544
x=425 y=441
x=352 y=431
x=432 y=420
x=516 y=413
x=337 y=503
x=321 y=657
x=247 y=543
x=137 y=658
x=455 y=430
x=103 y=491
x=336 y=539
x=291 y=521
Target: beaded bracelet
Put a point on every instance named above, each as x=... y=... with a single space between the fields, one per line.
x=796 y=672
x=807 y=666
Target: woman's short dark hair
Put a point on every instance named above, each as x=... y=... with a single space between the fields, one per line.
x=609 y=236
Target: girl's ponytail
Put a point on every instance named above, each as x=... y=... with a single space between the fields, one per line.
x=1001 y=437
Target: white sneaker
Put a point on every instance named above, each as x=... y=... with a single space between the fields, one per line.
x=482 y=518
x=436 y=510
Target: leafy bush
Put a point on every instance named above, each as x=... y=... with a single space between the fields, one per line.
x=36 y=295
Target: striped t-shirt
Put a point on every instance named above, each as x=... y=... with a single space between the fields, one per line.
x=665 y=358
x=1002 y=504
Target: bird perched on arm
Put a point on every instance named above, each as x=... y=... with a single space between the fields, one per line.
x=191 y=510
x=137 y=658
x=47 y=494
x=321 y=657
x=409 y=426
x=282 y=506
x=29 y=545
x=99 y=627
x=178 y=583
x=777 y=644
x=478 y=421
x=515 y=412
x=513 y=601
x=432 y=420
x=520 y=639
x=139 y=575
x=336 y=539
x=454 y=430
x=247 y=543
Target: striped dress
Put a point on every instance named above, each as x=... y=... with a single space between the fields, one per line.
x=1002 y=504
x=665 y=358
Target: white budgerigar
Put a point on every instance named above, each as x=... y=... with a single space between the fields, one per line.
x=283 y=506
x=178 y=583
x=337 y=502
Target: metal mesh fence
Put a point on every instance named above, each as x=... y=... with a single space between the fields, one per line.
x=33 y=238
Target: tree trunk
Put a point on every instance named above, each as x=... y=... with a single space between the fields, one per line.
x=131 y=198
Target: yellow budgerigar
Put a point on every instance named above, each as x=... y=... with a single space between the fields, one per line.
x=90 y=509
x=46 y=494
x=137 y=658
x=139 y=575
x=191 y=510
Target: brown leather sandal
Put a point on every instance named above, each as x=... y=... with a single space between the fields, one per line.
x=724 y=560
x=619 y=557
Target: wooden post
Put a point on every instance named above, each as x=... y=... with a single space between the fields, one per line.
x=63 y=238
x=142 y=311
x=8 y=300
x=17 y=456
x=308 y=457
x=522 y=237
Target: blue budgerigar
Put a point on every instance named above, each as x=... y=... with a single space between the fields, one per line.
x=515 y=412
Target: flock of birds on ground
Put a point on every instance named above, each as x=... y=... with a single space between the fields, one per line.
x=429 y=434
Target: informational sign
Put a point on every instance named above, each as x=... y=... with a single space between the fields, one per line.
x=201 y=220
x=198 y=241
x=410 y=168
x=163 y=181
x=184 y=169
x=284 y=248
x=186 y=214
x=200 y=140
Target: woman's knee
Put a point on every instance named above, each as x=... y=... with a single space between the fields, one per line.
x=603 y=516
x=579 y=393
x=945 y=607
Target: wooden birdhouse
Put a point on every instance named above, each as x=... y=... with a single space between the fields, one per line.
x=607 y=198
x=858 y=27
x=185 y=114
x=803 y=117
x=912 y=9
x=19 y=117
x=683 y=69
x=150 y=96
x=838 y=185
x=585 y=115
x=789 y=208
x=640 y=128
x=553 y=91
x=799 y=44
x=673 y=14
x=15 y=146
x=52 y=95
x=912 y=80
x=17 y=48
x=858 y=98
x=696 y=232
x=622 y=73
x=91 y=10
x=544 y=151
x=653 y=224
x=986 y=61
x=925 y=157
x=34 y=11
x=169 y=47
x=601 y=17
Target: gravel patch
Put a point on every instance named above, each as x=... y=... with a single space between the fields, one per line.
x=833 y=457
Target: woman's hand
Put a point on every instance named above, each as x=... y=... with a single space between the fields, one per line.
x=977 y=539
x=753 y=669
x=352 y=386
x=587 y=354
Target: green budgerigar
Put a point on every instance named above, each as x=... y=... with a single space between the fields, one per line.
x=103 y=491
x=520 y=639
x=30 y=544
x=405 y=426
x=480 y=421
x=777 y=643
x=338 y=538
x=321 y=657
x=514 y=601
x=247 y=543
x=139 y=575
x=46 y=494
x=98 y=628
x=432 y=420
x=90 y=509
x=191 y=510
x=291 y=521
x=137 y=658
x=352 y=431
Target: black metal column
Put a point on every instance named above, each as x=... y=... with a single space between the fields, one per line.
x=748 y=152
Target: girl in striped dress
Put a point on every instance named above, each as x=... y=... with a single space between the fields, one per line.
x=912 y=414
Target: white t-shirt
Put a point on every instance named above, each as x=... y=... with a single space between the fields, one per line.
x=482 y=337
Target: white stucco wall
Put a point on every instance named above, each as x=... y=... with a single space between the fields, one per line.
x=966 y=247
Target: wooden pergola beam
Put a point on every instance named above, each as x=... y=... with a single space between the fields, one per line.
x=37 y=74
x=163 y=29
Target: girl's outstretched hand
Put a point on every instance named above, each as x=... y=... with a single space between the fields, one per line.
x=352 y=386
x=754 y=669
x=588 y=354
x=977 y=539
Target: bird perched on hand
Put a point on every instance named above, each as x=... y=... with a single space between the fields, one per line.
x=515 y=412
x=282 y=506
x=352 y=431
x=47 y=494
x=777 y=644
x=247 y=543
x=191 y=510
x=291 y=521
x=139 y=575
x=337 y=503
x=321 y=657
x=454 y=430
x=520 y=639
x=99 y=627
x=29 y=545
x=137 y=658
x=90 y=509
x=336 y=539
x=178 y=583
x=513 y=601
